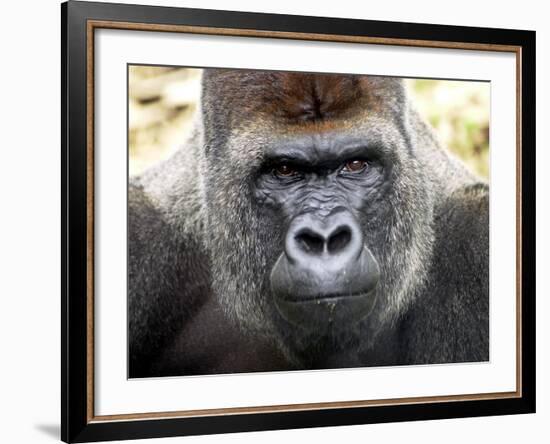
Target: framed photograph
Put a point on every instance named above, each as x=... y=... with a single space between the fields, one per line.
x=277 y=221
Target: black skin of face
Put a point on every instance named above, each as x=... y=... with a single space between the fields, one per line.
x=320 y=188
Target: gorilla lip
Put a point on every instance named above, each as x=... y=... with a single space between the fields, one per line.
x=319 y=313
x=331 y=297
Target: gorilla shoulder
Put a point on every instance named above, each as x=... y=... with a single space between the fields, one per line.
x=167 y=275
x=449 y=321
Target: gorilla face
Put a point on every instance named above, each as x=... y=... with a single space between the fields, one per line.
x=320 y=185
x=318 y=220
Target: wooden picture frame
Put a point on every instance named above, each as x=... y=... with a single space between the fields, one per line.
x=80 y=20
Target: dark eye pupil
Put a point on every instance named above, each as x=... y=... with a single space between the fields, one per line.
x=284 y=170
x=356 y=165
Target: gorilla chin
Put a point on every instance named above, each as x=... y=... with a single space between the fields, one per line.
x=325 y=291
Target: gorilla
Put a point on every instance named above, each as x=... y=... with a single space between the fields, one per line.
x=311 y=221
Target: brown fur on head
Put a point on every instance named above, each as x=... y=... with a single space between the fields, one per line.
x=292 y=98
x=309 y=97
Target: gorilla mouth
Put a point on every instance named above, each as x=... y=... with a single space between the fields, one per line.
x=315 y=296
x=330 y=311
x=334 y=297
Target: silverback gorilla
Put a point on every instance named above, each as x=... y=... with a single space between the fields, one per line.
x=311 y=221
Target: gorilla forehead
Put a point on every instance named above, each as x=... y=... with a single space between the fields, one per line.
x=296 y=97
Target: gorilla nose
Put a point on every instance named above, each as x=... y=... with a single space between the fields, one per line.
x=325 y=276
x=332 y=237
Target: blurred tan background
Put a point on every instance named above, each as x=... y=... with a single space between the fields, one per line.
x=162 y=101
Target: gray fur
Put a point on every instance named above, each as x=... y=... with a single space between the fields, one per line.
x=200 y=251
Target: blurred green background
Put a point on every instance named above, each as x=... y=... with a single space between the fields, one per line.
x=459 y=112
x=162 y=101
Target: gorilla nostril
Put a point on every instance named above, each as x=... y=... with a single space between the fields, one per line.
x=339 y=240
x=310 y=242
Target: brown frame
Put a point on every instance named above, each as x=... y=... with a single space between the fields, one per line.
x=96 y=24
x=91 y=24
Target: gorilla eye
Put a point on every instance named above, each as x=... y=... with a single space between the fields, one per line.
x=355 y=166
x=284 y=170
